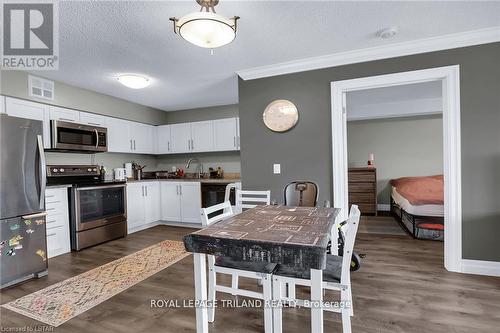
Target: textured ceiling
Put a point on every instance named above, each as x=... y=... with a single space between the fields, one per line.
x=100 y=39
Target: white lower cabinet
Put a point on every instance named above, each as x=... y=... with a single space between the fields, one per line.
x=143 y=204
x=57 y=221
x=181 y=202
x=170 y=202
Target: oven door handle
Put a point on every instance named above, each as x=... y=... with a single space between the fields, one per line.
x=100 y=187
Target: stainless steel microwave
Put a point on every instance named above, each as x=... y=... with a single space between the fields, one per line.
x=67 y=136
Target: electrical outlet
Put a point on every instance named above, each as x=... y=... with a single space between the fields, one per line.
x=276 y=169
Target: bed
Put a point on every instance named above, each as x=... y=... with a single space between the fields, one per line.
x=418 y=205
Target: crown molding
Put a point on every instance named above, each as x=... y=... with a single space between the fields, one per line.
x=451 y=41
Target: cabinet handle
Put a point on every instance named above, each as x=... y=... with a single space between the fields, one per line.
x=180 y=189
x=192 y=144
x=131 y=145
x=95 y=124
x=142 y=190
x=146 y=187
x=134 y=144
x=189 y=144
x=234 y=141
x=177 y=189
x=168 y=146
x=66 y=119
x=50 y=235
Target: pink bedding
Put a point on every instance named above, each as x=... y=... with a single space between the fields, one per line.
x=421 y=190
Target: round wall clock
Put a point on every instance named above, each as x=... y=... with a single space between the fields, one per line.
x=280 y=115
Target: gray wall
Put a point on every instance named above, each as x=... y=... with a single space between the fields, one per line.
x=15 y=84
x=306 y=151
x=200 y=114
x=402 y=147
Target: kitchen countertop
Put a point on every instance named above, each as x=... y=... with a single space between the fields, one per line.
x=203 y=180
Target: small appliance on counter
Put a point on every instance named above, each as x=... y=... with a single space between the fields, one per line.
x=128 y=171
x=119 y=174
x=216 y=174
x=98 y=208
x=23 y=243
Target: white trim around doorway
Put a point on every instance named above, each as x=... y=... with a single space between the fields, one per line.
x=449 y=75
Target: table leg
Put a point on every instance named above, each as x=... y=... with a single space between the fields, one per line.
x=317 y=299
x=200 y=291
x=277 y=311
x=268 y=310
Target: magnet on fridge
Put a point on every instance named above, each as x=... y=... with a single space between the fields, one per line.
x=11 y=252
x=39 y=222
x=27 y=222
x=14 y=227
x=41 y=253
x=2 y=244
x=15 y=240
x=30 y=231
x=18 y=247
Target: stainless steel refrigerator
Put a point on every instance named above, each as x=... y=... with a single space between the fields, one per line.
x=23 y=245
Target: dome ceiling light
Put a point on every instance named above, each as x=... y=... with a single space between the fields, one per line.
x=134 y=81
x=206 y=28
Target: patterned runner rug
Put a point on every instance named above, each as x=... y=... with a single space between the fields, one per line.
x=62 y=301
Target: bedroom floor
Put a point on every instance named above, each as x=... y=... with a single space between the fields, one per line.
x=401 y=287
x=384 y=224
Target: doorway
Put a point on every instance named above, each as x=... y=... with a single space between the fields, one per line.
x=449 y=78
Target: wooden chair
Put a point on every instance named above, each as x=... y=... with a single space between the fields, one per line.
x=336 y=276
x=249 y=199
x=255 y=270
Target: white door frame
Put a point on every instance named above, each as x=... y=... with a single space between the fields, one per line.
x=449 y=75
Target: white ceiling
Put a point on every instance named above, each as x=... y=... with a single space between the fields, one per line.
x=98 y=40
x=397 y=101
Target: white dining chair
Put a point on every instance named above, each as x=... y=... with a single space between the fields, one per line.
x=250 y=199
x=336 y=276
x=258 y=270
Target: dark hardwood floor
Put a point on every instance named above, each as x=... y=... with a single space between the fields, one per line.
x=401 y=287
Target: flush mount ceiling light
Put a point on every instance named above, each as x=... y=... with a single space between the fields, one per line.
x=206 y=28
x=134 y=81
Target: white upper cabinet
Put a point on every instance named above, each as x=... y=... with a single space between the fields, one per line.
x=63 y=114
x=30 y=110
x=226 y=134
x=163 y=139
x=119 y=138
x=180 y=135
x=92 y=119
x=202 y=138
x=143 y=138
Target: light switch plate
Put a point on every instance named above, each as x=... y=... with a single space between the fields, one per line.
x=277 y=169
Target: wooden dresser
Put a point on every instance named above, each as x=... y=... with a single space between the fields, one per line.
x=363 y=189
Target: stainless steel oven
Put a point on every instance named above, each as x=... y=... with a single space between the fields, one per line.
x=98 y=214
x=67 y=136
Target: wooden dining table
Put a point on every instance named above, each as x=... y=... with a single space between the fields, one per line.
x=292 y=236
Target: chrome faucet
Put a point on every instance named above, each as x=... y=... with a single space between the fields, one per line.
x=199 y=167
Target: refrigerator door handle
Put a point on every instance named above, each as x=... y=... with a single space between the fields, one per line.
x=27 y=217
x=43 y=173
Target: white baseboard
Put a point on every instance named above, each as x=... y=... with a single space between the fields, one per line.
x=481 y=267
x=143 y=227
x=383 y=208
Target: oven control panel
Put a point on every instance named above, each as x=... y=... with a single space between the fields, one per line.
x=72 y=170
